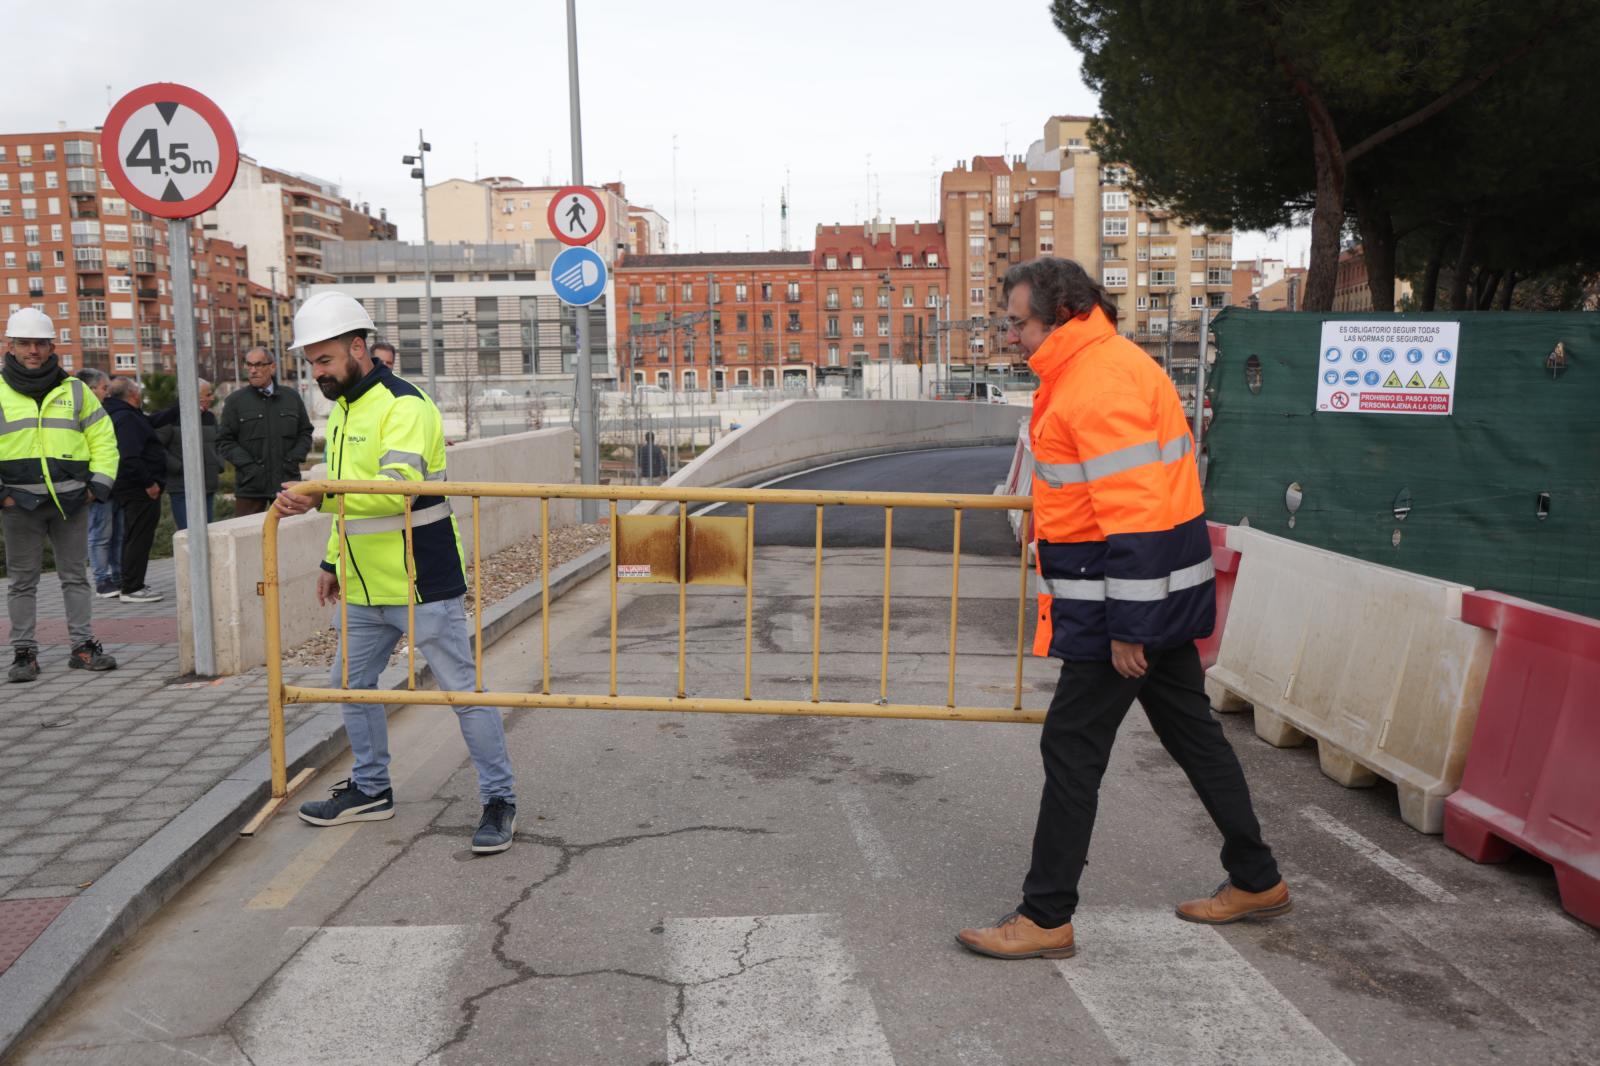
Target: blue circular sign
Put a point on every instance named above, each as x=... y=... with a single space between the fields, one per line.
x=1352 y=377
x=1413 y=355
x=1331 y=377
x=1371 y=377
x=579 y=276
x=1359 y=355
x=1386 y=355
x=1332 y=355
x=1441 y=356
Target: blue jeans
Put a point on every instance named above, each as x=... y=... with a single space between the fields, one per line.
x=180 y=509
x=105 y=543
x=442 y=638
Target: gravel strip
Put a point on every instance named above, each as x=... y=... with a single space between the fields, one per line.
x=503 y=574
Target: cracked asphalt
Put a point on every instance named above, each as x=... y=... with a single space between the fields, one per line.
x=708 y=889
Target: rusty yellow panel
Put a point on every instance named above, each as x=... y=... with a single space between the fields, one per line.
x=647 y=548
x=717 y=551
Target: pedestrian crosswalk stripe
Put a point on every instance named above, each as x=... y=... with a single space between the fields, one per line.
x=772 y=990
x=1165 y=991
x=1420 y=883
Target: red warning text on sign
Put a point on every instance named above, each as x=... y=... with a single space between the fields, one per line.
x=1405 y=403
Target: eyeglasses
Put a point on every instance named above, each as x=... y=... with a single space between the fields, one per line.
x=255 y=366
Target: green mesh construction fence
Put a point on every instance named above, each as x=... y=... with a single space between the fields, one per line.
x=1522 y=442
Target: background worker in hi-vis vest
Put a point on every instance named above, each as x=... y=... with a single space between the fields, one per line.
x=382 y=426
x=1126 y=587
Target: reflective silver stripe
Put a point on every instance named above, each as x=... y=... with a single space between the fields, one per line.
x=436 y=475
x=1134 y=455
x=101 y=479
x=13 y=426
x=77 y=396
x=390 y=523
x=1063 y=588
x=70 y=486
x=58 y=423
x=394 y=475
x=94 y=416
x=1150 y=590
x=412 y=459
x=1057 y=474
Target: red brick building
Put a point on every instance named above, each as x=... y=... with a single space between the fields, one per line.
x=880 y=290
x=71 y=246
x=757 y=310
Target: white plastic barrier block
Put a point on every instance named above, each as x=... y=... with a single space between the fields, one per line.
x=1373 y=663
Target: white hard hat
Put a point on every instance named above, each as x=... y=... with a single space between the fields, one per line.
x=30 y=322
x=327 y=315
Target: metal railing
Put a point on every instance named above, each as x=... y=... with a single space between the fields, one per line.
x=679 y=549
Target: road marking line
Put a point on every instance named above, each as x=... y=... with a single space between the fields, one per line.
x=302 y=868
x=773 y=990
x=358 y=994
x=1423 y=885
x=1165 y=991
x=874 y=848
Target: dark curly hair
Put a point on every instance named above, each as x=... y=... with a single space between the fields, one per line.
x=1058 y=290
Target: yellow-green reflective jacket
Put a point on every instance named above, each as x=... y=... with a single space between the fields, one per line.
x=58 y=451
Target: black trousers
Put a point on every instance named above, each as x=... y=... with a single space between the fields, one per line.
x=1090 y=702
x=140 y=516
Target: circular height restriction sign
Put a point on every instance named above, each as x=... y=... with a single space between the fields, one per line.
x=169 y=150
x=576 y=215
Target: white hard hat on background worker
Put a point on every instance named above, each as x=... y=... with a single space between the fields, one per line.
x=327 y=315
x=28 y=323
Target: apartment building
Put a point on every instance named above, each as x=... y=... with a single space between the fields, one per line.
x=718 y=319
x=1062 y=199
x=503 y=210
x=360 y=224
x=75 y=249
x=647 y=231
x=496 y=319
x=286 y=220
x=881 y=289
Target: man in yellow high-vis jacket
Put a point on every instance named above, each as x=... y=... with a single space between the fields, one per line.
x=57 y=451
x=382 y=426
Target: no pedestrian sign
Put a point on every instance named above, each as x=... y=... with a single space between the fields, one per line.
x=169 y=150
x=576 y=215
x=1388 y=367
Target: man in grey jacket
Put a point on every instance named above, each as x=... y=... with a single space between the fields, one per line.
x=265 y=432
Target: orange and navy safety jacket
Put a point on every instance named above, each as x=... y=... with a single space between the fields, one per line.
x=1118 y=521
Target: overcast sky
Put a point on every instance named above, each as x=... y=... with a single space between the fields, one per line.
x=857 y=104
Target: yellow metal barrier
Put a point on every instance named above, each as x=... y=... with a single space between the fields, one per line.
x=689 y=550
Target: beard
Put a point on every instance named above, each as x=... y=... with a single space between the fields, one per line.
x=335 y=385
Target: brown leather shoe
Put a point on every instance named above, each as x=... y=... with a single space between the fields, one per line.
x=1015 y=937
x=1230 y=904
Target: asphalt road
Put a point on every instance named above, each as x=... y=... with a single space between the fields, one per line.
x=772 y=891
x=965 y=470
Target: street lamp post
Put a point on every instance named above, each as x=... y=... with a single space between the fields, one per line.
x=419 y=170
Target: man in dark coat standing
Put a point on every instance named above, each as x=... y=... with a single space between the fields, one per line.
x=265 y=432
x=141 y=477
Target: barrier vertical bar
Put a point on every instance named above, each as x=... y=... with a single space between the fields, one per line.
x=544 y=590
x=613 y=528
x=477 y=587
x=1022 y=609
x=816 y=618
x=888 y=554
x=344 y=598
x=411 y=604
x=749 y=588
x=683 y=594
x=955 y=601
x=272 y=613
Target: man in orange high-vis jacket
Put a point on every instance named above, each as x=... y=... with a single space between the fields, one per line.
x=1126 y=587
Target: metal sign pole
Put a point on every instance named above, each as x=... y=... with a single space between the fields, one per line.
x=588 y=445
x=1200 y=376
x=190 y=432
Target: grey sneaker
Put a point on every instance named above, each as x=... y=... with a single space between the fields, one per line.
x=90 y=656
x=144 y=595
x=25 y=667
x=499 y=822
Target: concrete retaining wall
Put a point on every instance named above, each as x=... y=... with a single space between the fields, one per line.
x=800 y=434
x=238 y=628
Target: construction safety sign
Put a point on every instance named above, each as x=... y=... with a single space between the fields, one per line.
x=1388 y=367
